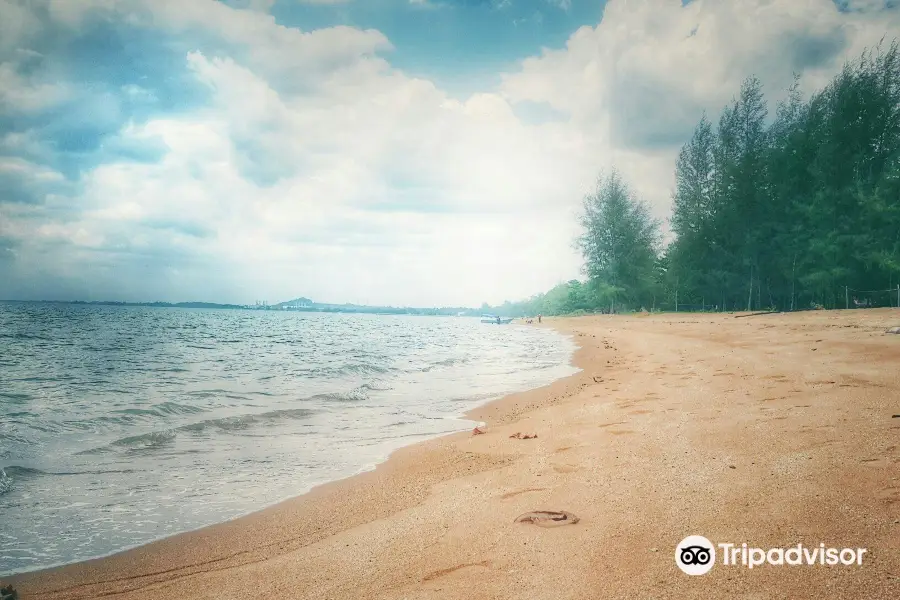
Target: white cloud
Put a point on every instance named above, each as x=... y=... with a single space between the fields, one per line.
x=477 y=201
x=643 y=76
x=17 y=24
x=18 y=95
x=319 y=170
x=699 y=52
x=271 y=48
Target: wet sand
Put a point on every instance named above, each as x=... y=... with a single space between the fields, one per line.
x=772 y=430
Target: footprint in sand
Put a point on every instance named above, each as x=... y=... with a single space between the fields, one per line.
x=889 y=495
x=548 y=518
x=566 y=468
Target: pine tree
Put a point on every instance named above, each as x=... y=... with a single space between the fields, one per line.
x=619 y=243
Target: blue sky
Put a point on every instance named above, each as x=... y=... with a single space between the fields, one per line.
x=461 y=45
x=381 y=151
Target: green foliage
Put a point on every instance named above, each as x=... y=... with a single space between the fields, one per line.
x=619 y=243
x=779 y=214
x=788 y=214
x=620 y=247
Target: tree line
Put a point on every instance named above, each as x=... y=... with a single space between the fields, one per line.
x=796 y=210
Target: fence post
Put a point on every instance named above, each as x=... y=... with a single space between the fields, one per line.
x=846 y=297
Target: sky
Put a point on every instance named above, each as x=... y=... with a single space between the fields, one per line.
x=391 y=152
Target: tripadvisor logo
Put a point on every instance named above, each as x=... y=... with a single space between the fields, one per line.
x=696 y=555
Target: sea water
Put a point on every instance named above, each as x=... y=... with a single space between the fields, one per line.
x=123 y=425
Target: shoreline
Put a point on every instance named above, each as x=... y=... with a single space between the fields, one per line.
x=476 y=415
x=773 y=430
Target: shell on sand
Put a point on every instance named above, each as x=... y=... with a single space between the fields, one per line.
x=893 y=330
x=548 y=518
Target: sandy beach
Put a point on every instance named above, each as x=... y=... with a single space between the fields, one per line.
x=769 y=430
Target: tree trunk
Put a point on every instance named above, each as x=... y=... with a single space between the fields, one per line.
x=750 y=296
x=793 y=266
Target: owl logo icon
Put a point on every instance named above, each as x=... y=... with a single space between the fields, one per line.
x=695 y=555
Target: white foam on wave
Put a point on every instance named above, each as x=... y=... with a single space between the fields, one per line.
x=213 y=443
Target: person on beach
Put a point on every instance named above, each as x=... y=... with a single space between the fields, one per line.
x=539 y=318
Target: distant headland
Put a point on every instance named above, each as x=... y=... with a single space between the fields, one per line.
x=297 y=304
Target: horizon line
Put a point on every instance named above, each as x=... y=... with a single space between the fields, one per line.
x=243 y=305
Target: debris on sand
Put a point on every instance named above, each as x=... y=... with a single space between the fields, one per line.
x=548 y=518
x=893 y=330
x=523 y=436
x=8 y=593
x=477 y=431
x=756 y=314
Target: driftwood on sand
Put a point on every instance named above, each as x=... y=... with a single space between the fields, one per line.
x=523 y=436
x=548 y=518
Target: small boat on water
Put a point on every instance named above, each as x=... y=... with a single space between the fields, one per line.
x=495 y=319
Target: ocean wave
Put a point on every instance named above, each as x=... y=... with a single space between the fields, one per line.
x=17 y=472
x=376 y=386
x=428 y=366
x=146 y=441
x=208 y=393
x=165 y=437
x=447 y=362
x=356 y=368
x=124 y=416
x=162 y=409
x=15 y=397
x=5 y=482
x=42 y=379
x=355 y=395
x=24 y=336
x=360 y=390
x=239 y=422
x=174 y=408
x=235 y=423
